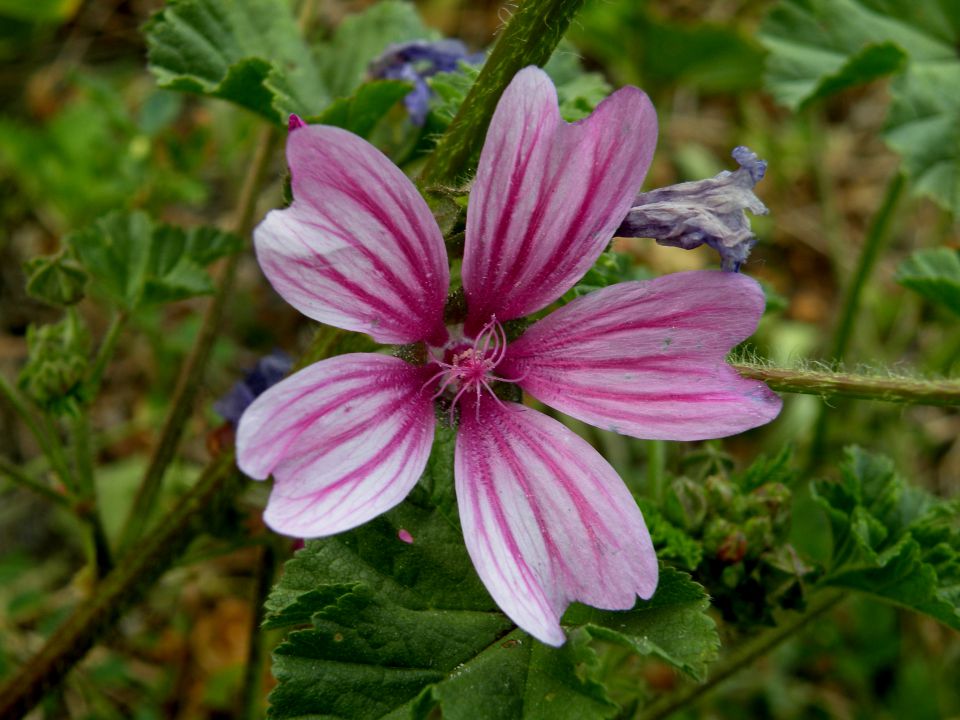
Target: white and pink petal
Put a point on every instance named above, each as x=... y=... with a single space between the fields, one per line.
x=648 y=358
x=548 y=195
x=358 y=248
x=546 y=520
x=345 y=439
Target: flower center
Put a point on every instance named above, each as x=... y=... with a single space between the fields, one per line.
x=469 y=368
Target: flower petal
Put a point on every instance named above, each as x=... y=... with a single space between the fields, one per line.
x=546 y=520
x=647 y=358
x=548 y=195
x=345 y=439
x=358 y=248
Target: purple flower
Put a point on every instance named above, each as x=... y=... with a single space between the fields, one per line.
x=269 y=370
x=417 y=60
x=545 y=518
x=702 y=212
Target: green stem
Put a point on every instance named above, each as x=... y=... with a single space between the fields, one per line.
x=741 y=658
x=107 y=347
x=529 y=39
x=14 y=473
x=656 y=469
x=46 y=437
x=82 y=455
x=876 y=238
x=101 y=558
x=57 y=455
x=191 y=377
x=121 y=588
x=836 y=384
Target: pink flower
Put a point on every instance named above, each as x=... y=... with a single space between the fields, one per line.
x=545 y=518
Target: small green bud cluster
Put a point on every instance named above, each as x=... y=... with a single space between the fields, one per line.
x=57 y=365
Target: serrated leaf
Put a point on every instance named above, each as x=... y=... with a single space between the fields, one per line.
x=115 y=250
x=891 y=539
x=249 y=52
x=777 y=469
x=673 y=544
x=56 y=280
x=673 y=625
x=818 y=47
x=935 y=274
x=361 y=112
x=923 y=126
x=135 y=263
x=449 y=90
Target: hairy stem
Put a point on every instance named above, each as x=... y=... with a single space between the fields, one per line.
x=838 y=384
x=120 y=589
x=741 y=658
x=529 y=39
x=191 y=377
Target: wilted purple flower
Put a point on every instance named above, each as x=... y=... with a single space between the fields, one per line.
x=701 y=212
x=546 y=519
x=268 y=371
x=417 y=60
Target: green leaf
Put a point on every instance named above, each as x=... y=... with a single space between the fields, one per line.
x=764 y=470
x=449 y=90
x=819 y=47
x=935 y=274
x=204 y=244
x=56 y=280
x=177 y=259
x=135 y=263
x=892 y=540
x=249 y=52
x=361 y=112
x=403 y=630
x=517 y=677
x=115 y=250
x=673 y=625
x=923 y=126
x=363 y=37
